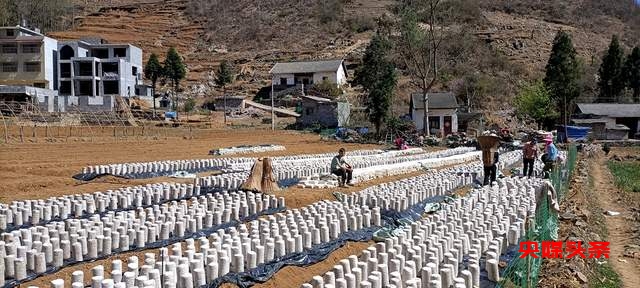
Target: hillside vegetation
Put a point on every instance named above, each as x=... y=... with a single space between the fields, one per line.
x=496 y=47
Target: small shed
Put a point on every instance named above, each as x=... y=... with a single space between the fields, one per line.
x=442 y=109
x=234 y=102
x=323 y=111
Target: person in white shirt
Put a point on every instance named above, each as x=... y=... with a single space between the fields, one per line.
x=342 y=169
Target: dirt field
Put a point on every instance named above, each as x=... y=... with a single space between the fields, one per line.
x=39 y=170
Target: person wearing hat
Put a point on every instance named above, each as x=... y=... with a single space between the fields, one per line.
x=529 y=155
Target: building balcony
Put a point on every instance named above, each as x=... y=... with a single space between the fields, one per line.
x=110 y=76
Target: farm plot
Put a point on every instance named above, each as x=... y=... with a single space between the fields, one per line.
x=243 y=251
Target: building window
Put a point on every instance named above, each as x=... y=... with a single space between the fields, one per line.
x=10 y=67
x=9 y=49
x=119 y=52
x=39 y=85
x=32 y=67
x=309 y=111
x=134 y=71
x=11 y=32
x=30 y=48
x=325 y=78
x=434 y=122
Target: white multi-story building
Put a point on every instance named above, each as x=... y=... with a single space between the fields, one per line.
x=27 y=58
x=91 y=74
x=84 y=75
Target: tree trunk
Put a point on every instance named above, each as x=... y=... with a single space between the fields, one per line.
x=153 y=98
x=175 y=97
x=224 y=95
x=636 y=94
x=425 y=101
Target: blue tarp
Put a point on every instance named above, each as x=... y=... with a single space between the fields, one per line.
x=575 y=133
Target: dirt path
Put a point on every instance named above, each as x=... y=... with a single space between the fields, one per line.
x=620 y=234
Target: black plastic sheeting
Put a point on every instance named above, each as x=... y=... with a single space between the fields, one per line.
x=392 y=218
x=85 y=215
x=145 y=175
x=288 y=182
x=320 y=252
x=317 y=253
x=157 y=244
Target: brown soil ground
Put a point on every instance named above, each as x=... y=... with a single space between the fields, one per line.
x=39 y=170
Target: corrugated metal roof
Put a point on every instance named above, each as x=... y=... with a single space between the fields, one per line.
x=443 y=100
x=611 y=110
x=318 y=99
x=306 y=67
x=589 y=121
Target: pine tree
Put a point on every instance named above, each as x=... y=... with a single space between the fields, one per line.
x=562 y=73
x=378 y=78
x=224 y=77
x=632 y=73
x=380 y=96
x=611 y=82
x=153 y=71
x=174 y=70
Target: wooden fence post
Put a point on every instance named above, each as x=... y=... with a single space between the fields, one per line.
x=21 y=134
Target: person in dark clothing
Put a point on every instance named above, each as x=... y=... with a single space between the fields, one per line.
x=490 y=167
x=341 y=168
x=529 y=155
x=606 y=148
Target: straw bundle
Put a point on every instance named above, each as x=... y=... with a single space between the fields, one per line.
x=254 y=182
x=269 y=183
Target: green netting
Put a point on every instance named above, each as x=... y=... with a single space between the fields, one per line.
x=524 y=272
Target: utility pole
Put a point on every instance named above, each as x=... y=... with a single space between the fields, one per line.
x=273 y=115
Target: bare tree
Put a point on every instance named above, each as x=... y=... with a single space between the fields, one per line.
x=419 y=46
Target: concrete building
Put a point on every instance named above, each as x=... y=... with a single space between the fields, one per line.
x=609 y=121
x=93 y=73
x=322 y=111
x=291 y=74
x=443 y=112
x=27 y=58
x=84 y=75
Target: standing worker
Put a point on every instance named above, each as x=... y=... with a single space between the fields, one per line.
x=529 y=155
x=550 y=155
x=490 y=166
x=490 y=156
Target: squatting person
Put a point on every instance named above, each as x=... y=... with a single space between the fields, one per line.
x=341 y=168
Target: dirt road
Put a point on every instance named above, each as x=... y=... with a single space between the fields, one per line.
x=620 y=233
